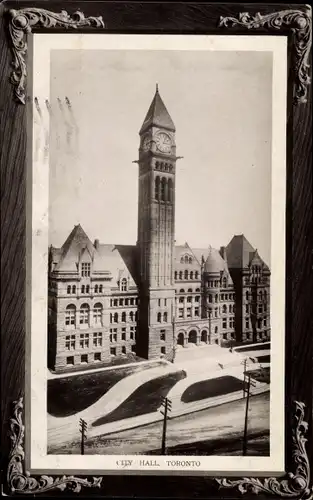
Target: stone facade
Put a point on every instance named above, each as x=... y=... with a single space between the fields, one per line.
x=108 y=301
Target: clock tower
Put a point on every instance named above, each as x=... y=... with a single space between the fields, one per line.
x=155 y=241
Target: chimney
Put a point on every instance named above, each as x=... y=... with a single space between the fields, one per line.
x=223 y=253
x=96 y=244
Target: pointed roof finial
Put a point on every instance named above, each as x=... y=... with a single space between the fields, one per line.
x=157 y=88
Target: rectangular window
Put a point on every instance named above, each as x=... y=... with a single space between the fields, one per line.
x=247 y=308
x=260 y=309
x=134 y=348
x=165 y=302
x=70 y=316
x=84 y=340
x=188 y=312
x=123 y=349
x=70 y=342
x=70 y=360
x=123 y=333
x=180 y=312
x=224 y=323
x=196 y=311
x=222 y=296
x=162 y=334
x=247 y=323
x=97 y=339
x=265 y=322
x=86 y=268
x=115 y=302
x=132 y=333
x=159 y=302
x=84 y=358
x=121 y=302
x=113 y=351
x=126 y=302
x=97 y=356
x=163 y=350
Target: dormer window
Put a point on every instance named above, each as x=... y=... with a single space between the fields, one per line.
x=85 y=269
x=124 y=285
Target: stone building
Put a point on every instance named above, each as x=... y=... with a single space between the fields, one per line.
x=107 y=301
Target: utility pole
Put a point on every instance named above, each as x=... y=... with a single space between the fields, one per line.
x=244 y=377
x=83 y=430
x=244 y=447
x=167 y=405
x=174 y=339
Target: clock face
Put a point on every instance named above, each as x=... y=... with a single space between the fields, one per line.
x=146 y=143
x=163 y=142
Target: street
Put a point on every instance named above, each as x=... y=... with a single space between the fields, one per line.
x=211 y=427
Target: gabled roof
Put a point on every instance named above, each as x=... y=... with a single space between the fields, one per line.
x=116 y=260
x=240 y=252
x=157 y=115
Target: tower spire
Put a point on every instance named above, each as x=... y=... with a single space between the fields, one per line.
x=157 y=87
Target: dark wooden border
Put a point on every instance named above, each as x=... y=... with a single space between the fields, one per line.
x=161 y=17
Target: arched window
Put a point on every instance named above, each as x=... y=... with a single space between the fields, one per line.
x=84 y=314
x=69 y=289
x=196 y=275
x=216 y=298
x=123 y=317
x=74 y=289
x=115 y=317
x=163 y=184
x=261 y=294
x=181 y=290
x=97 y=314
x=136 y=316
x=96 y=288
x=191 y=275
x=189 y=290
x=159 y=317
x=247 y=295
x=265 y=294
x=175 y=275
x=186 y=259
x=216 y=329
x=216 y=312
x=180 y=275
x=197 y=290
x=70 y=315
x=182 y=260
x=157 y=188
x=230 y=308
x=224 y=282
x=87 y=288
x=100 y=288
x=224 y=308
x=186 y=275
x=165 y=317
x=83 y=289
x=131 y=316
x=190 y=260
x=157 y=165
x=210 y=298
x=124 y=285
x=170 y=189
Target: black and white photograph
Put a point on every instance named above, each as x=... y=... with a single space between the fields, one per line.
x=160 y=305
x=158 y=277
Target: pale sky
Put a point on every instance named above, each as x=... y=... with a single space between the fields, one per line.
x=220 y=103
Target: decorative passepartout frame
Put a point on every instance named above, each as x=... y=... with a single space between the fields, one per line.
x=297 y=25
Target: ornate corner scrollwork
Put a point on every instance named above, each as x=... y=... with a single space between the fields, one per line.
x=295 y=485
x=300 y=24
x=20 y=481
x=23 y=21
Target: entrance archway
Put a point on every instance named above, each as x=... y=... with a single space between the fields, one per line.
x=181 y=339
x=204 y=336
x=192 y=337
